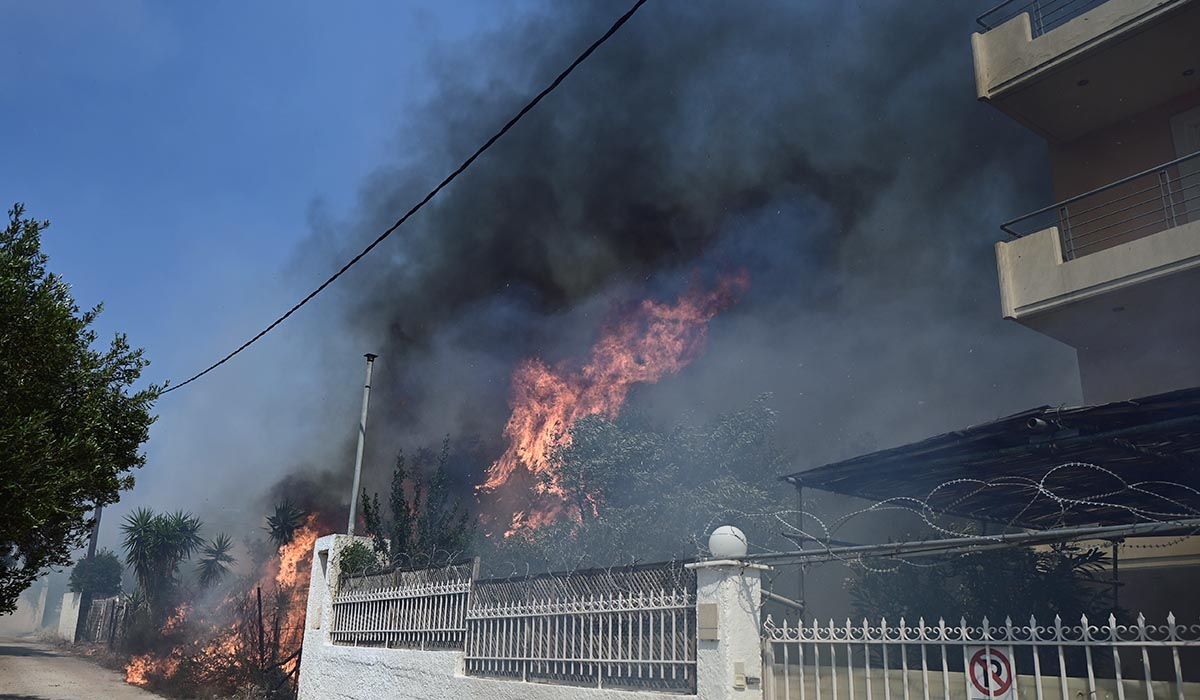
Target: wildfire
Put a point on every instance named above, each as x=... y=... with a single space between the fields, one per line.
x=176 y=621
x=295 y=561
x=296 y=556
x=141 y=668
x=655 y=340
x=218 y=644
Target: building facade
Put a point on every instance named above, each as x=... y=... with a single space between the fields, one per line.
x=1111 y=264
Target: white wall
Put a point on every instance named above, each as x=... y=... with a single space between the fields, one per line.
x=353 y=673
x=68 y=616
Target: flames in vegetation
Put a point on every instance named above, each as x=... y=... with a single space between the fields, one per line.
x=654 y=340
x=219 y=648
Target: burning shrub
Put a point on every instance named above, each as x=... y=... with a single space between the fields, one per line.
x=642 y=492
x=227 y=637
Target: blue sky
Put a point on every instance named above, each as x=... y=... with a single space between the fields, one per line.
x=178 y=149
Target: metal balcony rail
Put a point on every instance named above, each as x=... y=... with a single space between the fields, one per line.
x=1134 y=207
x=869 y=660
x=1044 y=15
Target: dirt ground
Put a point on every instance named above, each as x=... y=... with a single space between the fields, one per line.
x=31 y=670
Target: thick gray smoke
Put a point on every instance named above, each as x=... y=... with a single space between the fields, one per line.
x=833 y=150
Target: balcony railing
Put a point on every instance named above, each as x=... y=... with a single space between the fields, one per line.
x=1044 y=15
x=1137 y=206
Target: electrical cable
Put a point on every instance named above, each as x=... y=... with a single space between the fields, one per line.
x=432 y=193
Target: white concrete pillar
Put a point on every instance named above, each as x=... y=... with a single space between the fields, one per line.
x=322 y=587
x=729 y=653
x=39 y=610
x=68 y=616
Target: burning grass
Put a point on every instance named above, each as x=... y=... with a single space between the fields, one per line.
x=248 y=638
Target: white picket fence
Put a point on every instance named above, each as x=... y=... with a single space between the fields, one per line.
x=811 y=661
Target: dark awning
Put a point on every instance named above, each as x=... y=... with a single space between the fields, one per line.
x=1136 y=445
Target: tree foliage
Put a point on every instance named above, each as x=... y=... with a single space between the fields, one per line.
x=70 y=425
x=358 y=558
x=215 y=560
x=155 y=546
x=427 y=523
x=99 y=577
x=636 y=491
x=283 y=523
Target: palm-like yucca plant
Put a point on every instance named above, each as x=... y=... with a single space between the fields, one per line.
x=215 y=560
x=155 y=545
x=282 y=525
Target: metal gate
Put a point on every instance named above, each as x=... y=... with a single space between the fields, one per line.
x=840 y=661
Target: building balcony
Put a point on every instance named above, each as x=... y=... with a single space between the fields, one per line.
x=1115 y=273
x=1065 y=68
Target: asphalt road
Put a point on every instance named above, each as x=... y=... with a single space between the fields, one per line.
x=33 y=671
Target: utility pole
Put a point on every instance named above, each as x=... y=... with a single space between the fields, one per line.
x=362 y=436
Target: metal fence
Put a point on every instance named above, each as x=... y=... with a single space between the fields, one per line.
x=1044 y=15
x=422 y=609
x=1010 y=661
x=106 y=620
x=628 y=628
x=1151 y=201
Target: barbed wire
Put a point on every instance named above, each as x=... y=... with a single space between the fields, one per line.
x=1146 y=501
x=940 y=511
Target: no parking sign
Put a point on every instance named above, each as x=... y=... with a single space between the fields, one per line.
x=991 y=673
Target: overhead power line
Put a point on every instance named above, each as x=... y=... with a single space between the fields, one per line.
x=426 y=199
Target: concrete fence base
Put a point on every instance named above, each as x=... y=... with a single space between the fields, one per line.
x=728 y=660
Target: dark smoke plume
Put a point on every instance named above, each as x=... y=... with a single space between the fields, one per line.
x=834 y=150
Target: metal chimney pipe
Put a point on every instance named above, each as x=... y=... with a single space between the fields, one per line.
x=95 y=532
x=362 y=436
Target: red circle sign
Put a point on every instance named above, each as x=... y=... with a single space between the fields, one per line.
x=995 y=671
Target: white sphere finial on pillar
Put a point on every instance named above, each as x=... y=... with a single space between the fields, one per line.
x=727 y=542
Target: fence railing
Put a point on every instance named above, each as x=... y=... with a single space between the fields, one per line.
x=628 y=628
x=106 y=620
x=422 y=609
x=1134 y=207
x=868 y=660
x=1044 y=15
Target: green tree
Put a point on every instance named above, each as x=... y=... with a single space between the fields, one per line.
x=428 y=523
x=71 y=426
x=155 y=546
x=215 y=560
x=443 y=523
x=358 y=558
x=99 y=577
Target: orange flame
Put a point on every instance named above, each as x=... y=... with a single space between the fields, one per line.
x=655 y=340
x=222 y=646
x=295 y=570
x=141 y=668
